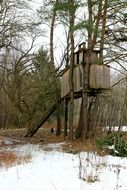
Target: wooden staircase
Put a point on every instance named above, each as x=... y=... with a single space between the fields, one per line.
x=47 y=114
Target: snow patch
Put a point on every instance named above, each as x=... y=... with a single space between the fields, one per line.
x=53 y=170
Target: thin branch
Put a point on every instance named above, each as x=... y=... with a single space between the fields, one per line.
x=118 y=82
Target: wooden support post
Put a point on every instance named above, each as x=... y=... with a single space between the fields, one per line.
x=85 y=100
x=79 y=130
x=65 y=118
x=58 y=130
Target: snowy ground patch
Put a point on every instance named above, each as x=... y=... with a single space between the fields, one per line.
x=53 y=170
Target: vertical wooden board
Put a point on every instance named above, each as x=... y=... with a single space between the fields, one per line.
x=75 y=79
x=75 y=59
x=99 y=77
x=108 y=77
x=81 y=77
x=100 y=74
x=80 y=57
x=65 y=84
x=93 y=58
x=62 y=87
x=79 y=74
x=92 y=79
x=105 y=77
x=77 y=107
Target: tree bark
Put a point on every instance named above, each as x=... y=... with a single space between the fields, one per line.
x=98 y=18
x=71 y=82
x=103 y=30
x=56 y=89
x=78 y=132
x=86 y=66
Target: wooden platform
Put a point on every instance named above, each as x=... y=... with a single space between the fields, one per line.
x=92 y=92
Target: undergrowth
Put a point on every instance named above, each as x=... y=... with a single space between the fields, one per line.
x=114 y=144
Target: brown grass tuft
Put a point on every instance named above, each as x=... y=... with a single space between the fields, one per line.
x=8 y=159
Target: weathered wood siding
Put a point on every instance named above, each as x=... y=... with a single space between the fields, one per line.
x=83 y=57
x=65 y=84
x=99 y=78
x=78 y=78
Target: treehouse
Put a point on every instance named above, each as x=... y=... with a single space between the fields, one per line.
x=98 y=81
x=99 y=74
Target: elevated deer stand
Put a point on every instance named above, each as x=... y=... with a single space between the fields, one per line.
x=98 y=82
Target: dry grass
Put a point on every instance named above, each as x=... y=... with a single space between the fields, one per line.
x=44 y=136
x=12 y=132
x=78 y=145
x=92 y=178
x=8 y=159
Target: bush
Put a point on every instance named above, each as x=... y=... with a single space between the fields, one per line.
x=114 y=143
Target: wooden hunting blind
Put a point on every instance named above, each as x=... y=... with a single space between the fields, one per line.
x=99 y=74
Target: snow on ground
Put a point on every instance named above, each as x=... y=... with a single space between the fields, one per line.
x=116 y=128
x=54 y=170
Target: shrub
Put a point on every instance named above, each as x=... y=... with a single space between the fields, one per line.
x=114 y=143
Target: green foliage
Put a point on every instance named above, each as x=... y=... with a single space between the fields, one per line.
x=114 y=143
x=84 y=25
x=40 y=95
x=66 y=6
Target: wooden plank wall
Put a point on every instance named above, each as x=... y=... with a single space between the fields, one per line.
x=78 y=78
x=99 y=79
x=65 y=84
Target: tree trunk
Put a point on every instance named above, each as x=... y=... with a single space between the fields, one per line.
x=56 y=89
x=86 y=66
x=71 y=82
x=97 y=21
x=103 y=30
x=78 y=132
x=93 y=116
